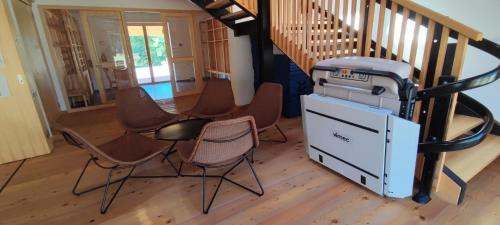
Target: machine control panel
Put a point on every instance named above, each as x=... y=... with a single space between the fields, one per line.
x=348 y=75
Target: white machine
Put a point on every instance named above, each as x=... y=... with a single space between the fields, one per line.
x=357 y=122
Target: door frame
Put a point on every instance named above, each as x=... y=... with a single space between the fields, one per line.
x=194 y=58
x=96 y=62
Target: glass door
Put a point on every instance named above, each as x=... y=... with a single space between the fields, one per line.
x=184 y=69
x=149 y=51
x=106 y=40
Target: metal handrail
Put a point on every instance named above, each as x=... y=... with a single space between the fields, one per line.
x=470 y=140
x=489 y=77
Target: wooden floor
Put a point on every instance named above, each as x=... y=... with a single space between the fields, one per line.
x=297 y=191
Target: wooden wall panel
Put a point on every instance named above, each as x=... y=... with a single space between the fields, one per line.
x=22 y=135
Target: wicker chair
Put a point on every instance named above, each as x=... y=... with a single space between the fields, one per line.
x=138 y=112
x=216 y=100
x=266 y=108
x=125 y=152
x=225 y=143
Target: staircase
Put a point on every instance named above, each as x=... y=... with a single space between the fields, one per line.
x=239 y=15
x=454 y=147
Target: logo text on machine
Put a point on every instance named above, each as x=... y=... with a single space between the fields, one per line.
x=339 y=136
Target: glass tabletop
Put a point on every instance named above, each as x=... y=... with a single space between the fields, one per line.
x=182 y=131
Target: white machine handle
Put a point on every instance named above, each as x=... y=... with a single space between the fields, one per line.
x=353 y=89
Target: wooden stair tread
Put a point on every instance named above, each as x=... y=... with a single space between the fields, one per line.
x=219 y=4
x=461 y=124
x=467 y=163
x=235 y=15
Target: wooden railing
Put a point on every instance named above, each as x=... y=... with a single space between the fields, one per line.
x=250 y=5
x=312 y=30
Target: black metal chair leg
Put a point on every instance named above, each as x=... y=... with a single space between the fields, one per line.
x=244 y=187
x=256 y=178
x=170 y=151
x=166 y=156
x=78 y=193
x=204 y=180
x=104 y=205
x=80 y=178
x=180 y=169
x=222 y=178
x=285 y=139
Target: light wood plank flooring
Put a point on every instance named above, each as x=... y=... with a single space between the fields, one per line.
x=297 y=191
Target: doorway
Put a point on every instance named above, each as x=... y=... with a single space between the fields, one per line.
x=149 y=51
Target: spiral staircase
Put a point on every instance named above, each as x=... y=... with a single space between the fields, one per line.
x=459 y=136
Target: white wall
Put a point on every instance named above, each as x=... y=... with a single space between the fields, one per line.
x=240 y=60
x=242 y=75
x=482 y=15
x=124 y=4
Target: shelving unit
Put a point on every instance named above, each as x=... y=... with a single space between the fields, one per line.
x=66 y=39
x=215 y=44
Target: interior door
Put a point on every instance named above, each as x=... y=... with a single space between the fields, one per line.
x=33 y=62
x=105 y=35
x=183 y=63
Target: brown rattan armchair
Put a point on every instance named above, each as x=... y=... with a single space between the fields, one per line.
x=216 y=100
x=266 y=108
x=125 y=152
x=225 y=143
x=138 y=112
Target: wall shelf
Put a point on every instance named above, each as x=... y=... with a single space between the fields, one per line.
x=215 y=44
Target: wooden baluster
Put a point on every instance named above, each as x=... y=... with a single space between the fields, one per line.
x=303 y=52
x=298 y=32
x=316 y=31
x=273 y=14
x=390 y=36
x=280 y=23
x=380 y=28
x=441 y=54
x=369 y=28
x=427 y=53
x=425 y=65
x=402 y=36
x=287 y=25
x=456 y=71
x=336 y=28
x=293 y=29
x=322 y=30
x=414 y=43
x=344 y=27
x=443 y=44
x=362 y=9
x=310 y=35
x=354 y=5
x=459 y=58
x=328 y=45
x=251 y=6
